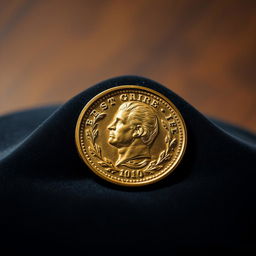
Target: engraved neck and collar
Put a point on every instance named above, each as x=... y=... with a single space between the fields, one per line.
x=135 y=151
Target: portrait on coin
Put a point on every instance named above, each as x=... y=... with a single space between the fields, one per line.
x=132 y=131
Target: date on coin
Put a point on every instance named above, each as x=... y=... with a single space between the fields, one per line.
x=131 y=135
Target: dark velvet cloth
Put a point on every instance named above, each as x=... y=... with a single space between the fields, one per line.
x=50 y=199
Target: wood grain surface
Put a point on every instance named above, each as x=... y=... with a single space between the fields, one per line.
x=203 y=50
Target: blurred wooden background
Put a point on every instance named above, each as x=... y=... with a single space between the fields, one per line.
x=203 y=50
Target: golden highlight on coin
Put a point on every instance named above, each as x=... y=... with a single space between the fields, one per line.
x=131 y=135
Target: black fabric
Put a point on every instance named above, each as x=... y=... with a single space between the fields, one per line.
x=50 y=199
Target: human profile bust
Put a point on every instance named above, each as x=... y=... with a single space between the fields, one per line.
x=133 y=131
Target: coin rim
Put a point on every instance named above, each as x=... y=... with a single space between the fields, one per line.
x=122 y=183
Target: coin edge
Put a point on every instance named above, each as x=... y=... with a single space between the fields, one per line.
x=129 y=184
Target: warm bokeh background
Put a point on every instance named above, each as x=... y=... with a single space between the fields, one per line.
x=205 y=51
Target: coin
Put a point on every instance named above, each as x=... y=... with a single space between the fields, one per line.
x=131 y=135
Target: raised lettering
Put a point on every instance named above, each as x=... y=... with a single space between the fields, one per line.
x=154 y=103
x=139 y=97
x=112 y=101
x=103 y=106
x=132 y=96
x=94 y=113
x=174 y=130
x=146 y=100
x=123 y=97
x=89 y=122
x=169 y=117
x=131 y=174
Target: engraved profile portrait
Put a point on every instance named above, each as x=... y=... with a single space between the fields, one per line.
x=133 y=131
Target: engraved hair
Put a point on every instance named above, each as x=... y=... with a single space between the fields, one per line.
x=147 y=118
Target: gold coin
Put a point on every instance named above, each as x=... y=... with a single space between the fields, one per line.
x=131 y=135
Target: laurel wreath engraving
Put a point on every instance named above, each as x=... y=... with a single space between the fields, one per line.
x=95 y=149
x=155 y=165
x=170 y=144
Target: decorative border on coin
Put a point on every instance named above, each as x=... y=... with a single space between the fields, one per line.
x=165 y=155
x=95 y=149
x=152 y=172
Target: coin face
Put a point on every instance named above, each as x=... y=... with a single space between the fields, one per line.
x=131 y=135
